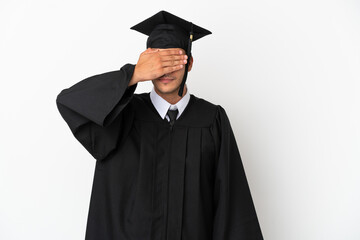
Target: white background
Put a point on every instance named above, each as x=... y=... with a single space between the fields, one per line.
x=287 y=73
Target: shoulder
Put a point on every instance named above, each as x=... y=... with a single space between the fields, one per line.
x=140 y=101
x=215 y=113
x=141 y=96
x=207 y=106
x=202 y=112
x=204 y=103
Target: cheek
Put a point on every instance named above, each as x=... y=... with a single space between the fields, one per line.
x=179 y=74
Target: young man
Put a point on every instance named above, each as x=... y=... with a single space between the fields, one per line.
x=167 y=163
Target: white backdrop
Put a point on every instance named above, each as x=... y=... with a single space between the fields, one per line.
x=287 y=73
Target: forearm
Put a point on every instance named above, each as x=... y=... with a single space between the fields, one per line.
x=134 y=79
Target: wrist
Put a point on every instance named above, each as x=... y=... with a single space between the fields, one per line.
x=134 y=79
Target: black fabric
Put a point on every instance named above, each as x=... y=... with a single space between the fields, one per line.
x=151 y=181
x=163 y=17
x=168 y=36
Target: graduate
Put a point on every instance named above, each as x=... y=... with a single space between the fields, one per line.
x=167 y=163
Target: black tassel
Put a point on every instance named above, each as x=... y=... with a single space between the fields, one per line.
x=188 y=53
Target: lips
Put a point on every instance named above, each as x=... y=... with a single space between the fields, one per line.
x=165 y=79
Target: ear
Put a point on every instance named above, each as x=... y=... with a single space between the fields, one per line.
x=190 y=63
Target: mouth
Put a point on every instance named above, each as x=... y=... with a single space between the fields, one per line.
x=165 y=79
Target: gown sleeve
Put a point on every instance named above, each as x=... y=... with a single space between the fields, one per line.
x=235 y=217
x=97 y=110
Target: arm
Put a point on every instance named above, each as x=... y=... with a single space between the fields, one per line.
x=95 y=107
x=235 y=216
x=98 y=109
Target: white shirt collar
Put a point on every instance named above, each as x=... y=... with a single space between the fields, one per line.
x=162 y=106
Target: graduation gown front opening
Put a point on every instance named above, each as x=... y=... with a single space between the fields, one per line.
x=151 y=181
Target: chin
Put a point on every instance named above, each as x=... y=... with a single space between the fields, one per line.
x=166 y=88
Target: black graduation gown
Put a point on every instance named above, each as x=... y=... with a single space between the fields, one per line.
x=153 y=182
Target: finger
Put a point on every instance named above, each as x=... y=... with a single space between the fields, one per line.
x=172 y=69
x=173 y=63
x=170 y=51
x=173 y=57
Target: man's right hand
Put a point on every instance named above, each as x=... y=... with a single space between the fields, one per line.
x=154 y=63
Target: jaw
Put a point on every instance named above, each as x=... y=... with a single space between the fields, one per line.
x=166 y=88
x=169 y=93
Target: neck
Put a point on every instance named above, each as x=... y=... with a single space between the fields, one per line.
x=173 y=97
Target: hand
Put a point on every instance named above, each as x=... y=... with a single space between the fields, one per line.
x=154 y=63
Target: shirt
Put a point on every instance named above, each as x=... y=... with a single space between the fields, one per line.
x=162 y=106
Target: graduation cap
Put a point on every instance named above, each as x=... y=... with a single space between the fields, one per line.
x=166 y=30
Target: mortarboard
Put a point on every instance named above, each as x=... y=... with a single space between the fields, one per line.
x=166 y=30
